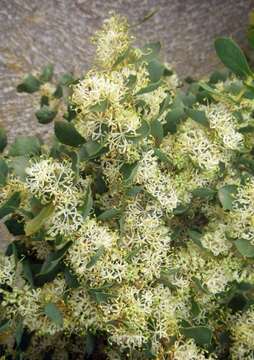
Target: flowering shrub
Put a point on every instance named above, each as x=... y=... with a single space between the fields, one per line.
x=134 y=228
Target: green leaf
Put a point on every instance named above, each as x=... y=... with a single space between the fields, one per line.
x=101 y=295
x=142 y=132
x=53 y=259
x=85 y=209
x=197 y=282
x=157 y=131
x=226 y=196
x=129 y=172
x=70 y=279
x=19 y=333
x=195 y=237
x=173 y=118
x=27 y=271
x=32 y=226
x=4 y=325
x=66 y=79
x=90 y=343
x=101 y=106
x=164 y=104
x=29 y=85
x=149 y=88
x=47 y=73
x=198 y=116
x=25 y=145
x=3 y=172
x=162 y=156
x=54 y=314
x=202 y=335
x=58 y=92
x=67 y=134
x=45 y=115
x=98 y=254
x=109 y=214
x=155 y=70
x=134 y=190
x=91 y=150
x=151 y=50
x=10 y=205
x=19 y=164
x=3 y=139
x=232 y=56
x=204 y=193
x=245 y=248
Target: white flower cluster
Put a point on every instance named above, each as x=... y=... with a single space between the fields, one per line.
x=146 y=244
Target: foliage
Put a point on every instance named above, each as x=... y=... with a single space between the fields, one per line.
x=133 y=229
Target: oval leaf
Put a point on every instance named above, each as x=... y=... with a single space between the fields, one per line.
x=67 y=134
x=226 y=196
x=245 y=248
x=32 y=226
x=25 y=145
x=202 y=335
x=232 y=56
x=29 y=85
x=45 y=115
x=54 y=314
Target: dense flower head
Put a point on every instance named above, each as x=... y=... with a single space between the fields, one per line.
x=134 y=230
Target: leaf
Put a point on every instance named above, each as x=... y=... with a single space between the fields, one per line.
x=195 y=237
x=149 y=88
x=54 y=314
x=129 y=171
x=4 y=325
x=10 y=205
x=66 y=79
x=87 y=205
x=98 y=254
x=3 y=172
x=134 y=190
x=101 y=106
x=173 y=118
x=109 y=214
x=202 y=335
x=19 y=164
x=30 y=84
x=204 y=193
x=32 y=226
x=58 y=92
x=67 y=134
x=245 y=248
x=3 y=139
x=27 y=271
x=19 y=333
x=91 y=150
x=225 y=195
x=232 y=56
x=70 y=279
x=47 y=73
x=198 y=116
x=90 y=343
x=199 y=285
x=25 y=145
x=157 y=131
x=155 y=70
x=45 y=115
x=142 y=132
x=101 y=294
x=162 y=156
x=53 y=259
x=151 y=50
